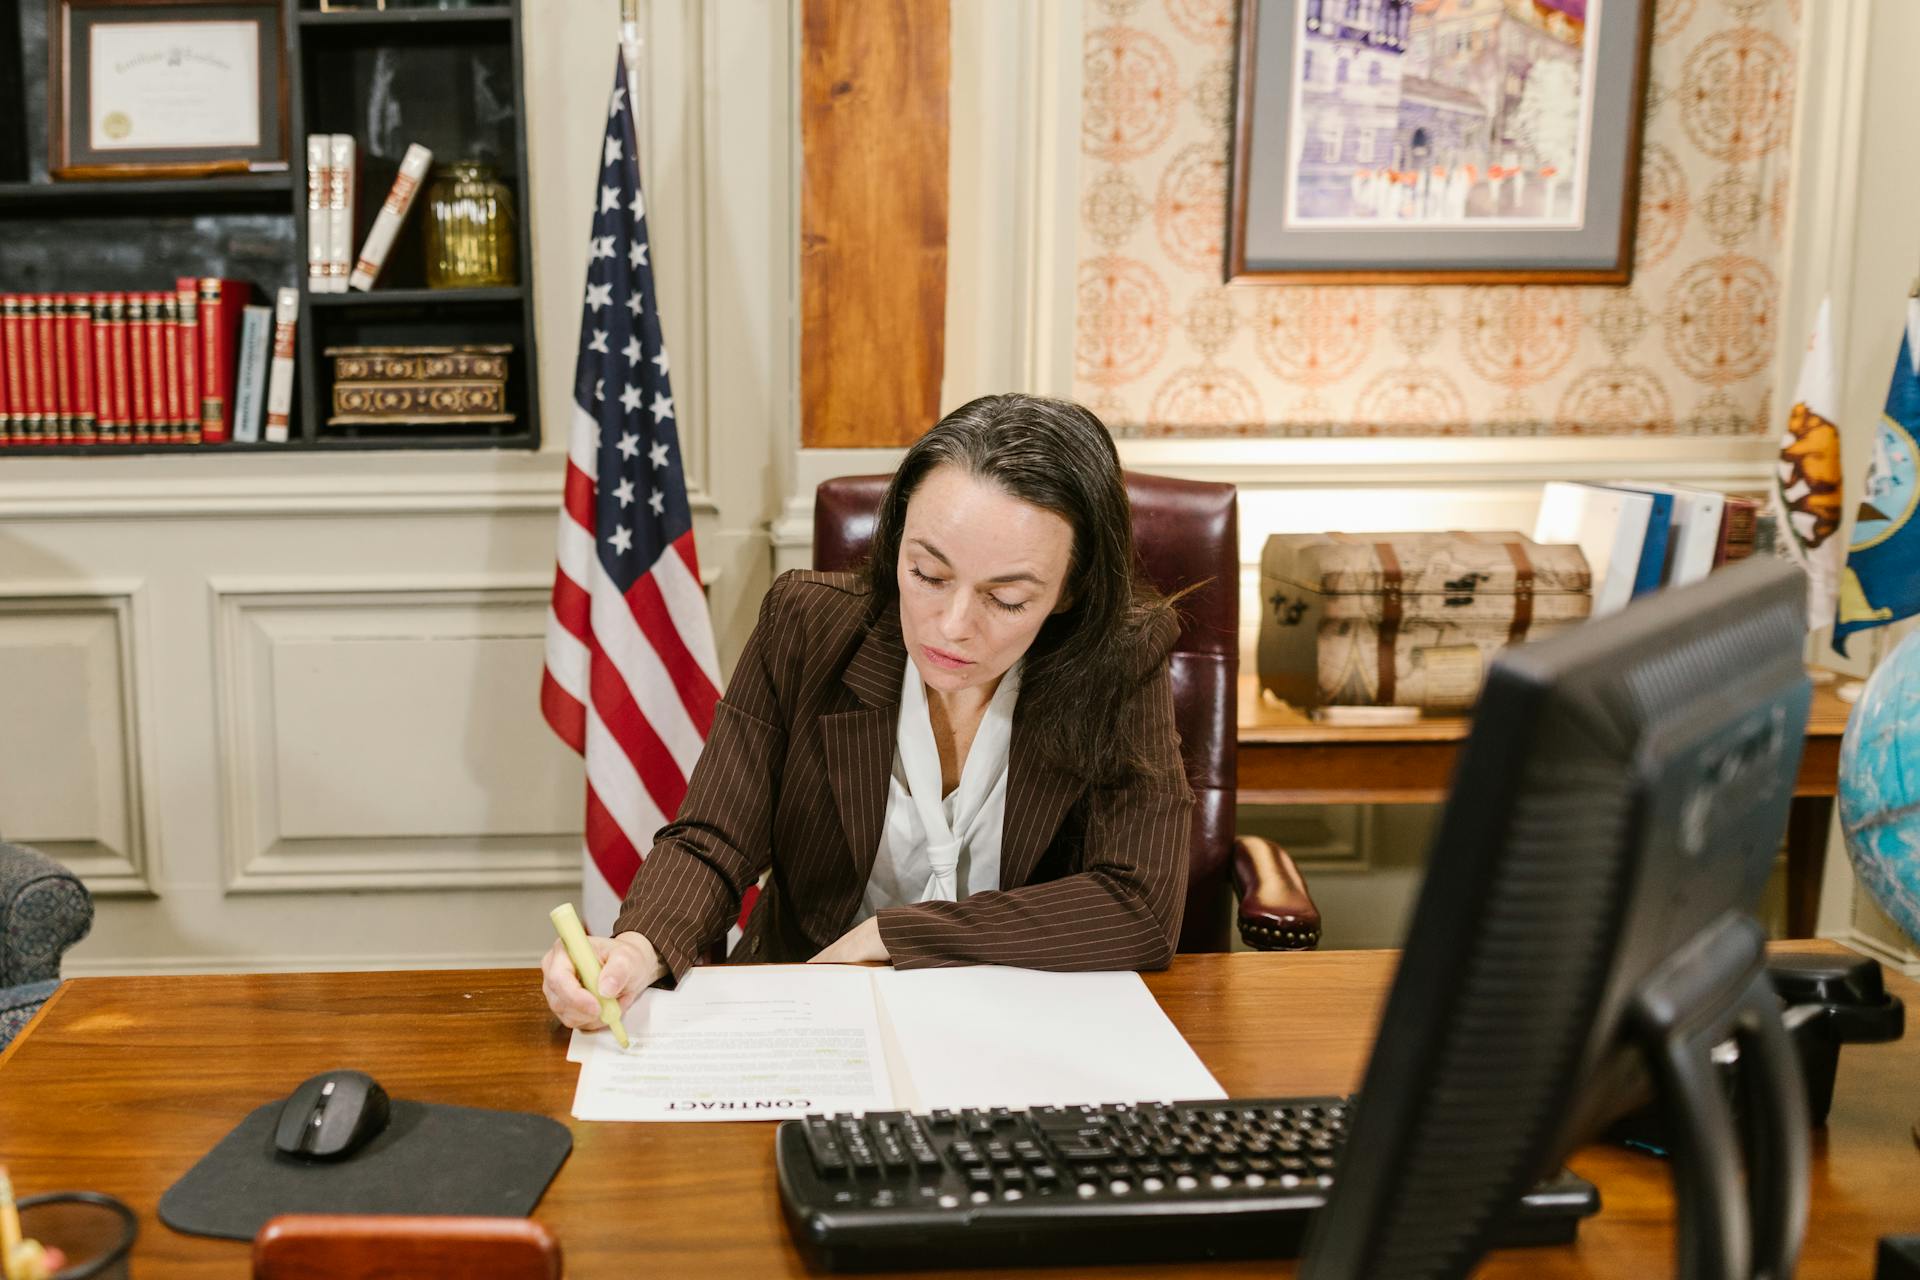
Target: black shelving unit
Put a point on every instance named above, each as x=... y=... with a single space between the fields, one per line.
x=499 y=13
x=450 y=79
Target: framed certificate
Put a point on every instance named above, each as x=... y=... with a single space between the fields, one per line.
x=149 y=88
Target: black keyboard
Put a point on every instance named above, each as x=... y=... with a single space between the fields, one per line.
x=1150 y=1182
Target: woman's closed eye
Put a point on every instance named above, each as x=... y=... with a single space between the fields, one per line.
x=937 y=583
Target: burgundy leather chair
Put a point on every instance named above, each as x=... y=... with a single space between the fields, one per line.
x=1186 y=532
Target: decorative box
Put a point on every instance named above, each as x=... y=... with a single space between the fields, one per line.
x=389 y=386
x=1406 y=619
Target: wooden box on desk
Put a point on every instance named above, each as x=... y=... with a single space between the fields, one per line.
x=374 y=386
x=1406 y=619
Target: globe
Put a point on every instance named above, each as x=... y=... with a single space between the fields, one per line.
x=1880 y=786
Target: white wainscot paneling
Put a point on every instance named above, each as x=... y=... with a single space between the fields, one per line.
x=388 y=736
x=69 y=692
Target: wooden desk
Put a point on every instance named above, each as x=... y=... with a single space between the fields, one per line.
x=123 y=1083
x=1286 y=758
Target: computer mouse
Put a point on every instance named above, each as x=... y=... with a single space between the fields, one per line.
x=331 y=1116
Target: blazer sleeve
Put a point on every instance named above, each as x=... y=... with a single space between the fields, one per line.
x=688 y=889
x=1121 y=907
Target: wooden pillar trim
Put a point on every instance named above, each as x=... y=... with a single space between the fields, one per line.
x=873 y=220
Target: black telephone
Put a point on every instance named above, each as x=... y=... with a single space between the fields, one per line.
x=1826 y=1001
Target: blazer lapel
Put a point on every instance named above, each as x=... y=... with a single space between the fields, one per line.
x=1038 y=797
x=859 y=742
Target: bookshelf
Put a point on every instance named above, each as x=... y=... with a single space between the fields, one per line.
x=451 y=79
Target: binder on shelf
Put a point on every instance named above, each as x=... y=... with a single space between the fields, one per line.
x=286 y=314
x=1651 y=570
x=393 y=211
x=1695 y=529
x=250 y=380
x=1608 y=525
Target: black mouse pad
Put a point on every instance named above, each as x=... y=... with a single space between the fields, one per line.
x=429 y=1159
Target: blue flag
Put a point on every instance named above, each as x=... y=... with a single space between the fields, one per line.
x=1881 y=582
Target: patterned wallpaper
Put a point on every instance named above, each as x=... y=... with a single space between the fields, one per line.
x=1162 y=348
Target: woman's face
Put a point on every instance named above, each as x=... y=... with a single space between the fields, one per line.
x=980 y=571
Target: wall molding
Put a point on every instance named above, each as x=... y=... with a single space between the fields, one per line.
x=107 y=869
x=259 y=858
x=1440 y=462
x=202 y=486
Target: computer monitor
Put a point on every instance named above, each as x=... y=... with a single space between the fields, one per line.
x=1582 y=942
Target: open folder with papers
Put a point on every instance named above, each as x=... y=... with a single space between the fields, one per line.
x=766 y=1042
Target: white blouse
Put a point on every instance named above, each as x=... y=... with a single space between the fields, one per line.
x=934 y=847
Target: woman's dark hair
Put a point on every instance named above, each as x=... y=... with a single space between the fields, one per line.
x=1087 y=660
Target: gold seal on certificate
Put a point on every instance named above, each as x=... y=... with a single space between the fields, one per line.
x=149 y=88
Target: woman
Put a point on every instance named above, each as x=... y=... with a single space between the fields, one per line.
x=964 y=755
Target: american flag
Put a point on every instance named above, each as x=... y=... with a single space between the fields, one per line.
x=631 y=678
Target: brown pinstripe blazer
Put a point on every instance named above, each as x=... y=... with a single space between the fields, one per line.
x=794 y=775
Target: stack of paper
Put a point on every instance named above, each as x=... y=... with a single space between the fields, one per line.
x=767 y=1042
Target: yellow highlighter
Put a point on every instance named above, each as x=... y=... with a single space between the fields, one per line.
x=574 y=937
x=9 y=1227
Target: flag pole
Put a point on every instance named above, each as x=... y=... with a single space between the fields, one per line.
x=631 y=46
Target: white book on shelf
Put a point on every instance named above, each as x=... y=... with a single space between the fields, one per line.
x=250 y=374
x=342 y=157
x=393 y=211
x=319 y=219
x=1608 y=525
x=286 y=314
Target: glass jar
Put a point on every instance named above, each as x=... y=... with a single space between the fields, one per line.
x=470 y=228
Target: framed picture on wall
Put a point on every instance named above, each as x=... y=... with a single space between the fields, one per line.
x=1437 y=141
x=151 y=88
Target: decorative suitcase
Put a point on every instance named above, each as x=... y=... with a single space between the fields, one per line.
x=1406 y=619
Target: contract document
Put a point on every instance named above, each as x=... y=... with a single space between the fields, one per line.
x=767 y=1042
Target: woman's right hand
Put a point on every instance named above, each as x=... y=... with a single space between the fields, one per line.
x=628 y=966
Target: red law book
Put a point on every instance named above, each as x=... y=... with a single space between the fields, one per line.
x=221 y=302
x=6 y=388
x=123 y=409
x=86 y=429
x=50 y=406
x=6 y=399
x=157 y=412
x=63 y=404
x=30 y=367
x=138 y=389
x=106 y=424
x=170 y=362
x=13 y=427
x=186 y=302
